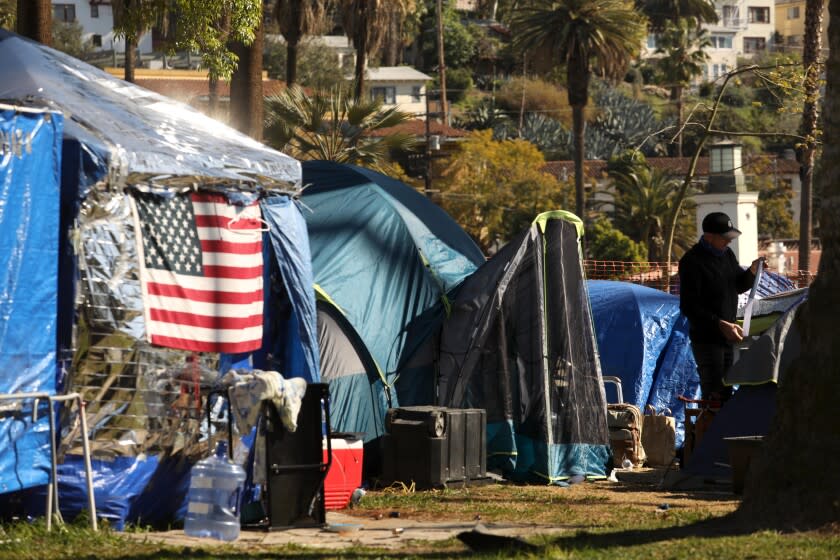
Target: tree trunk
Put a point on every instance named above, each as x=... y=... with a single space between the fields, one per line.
x=678 y=97
x=291 y=63
x=361 y=59
x=578 y=129
x=246 y=88
x=441 y=63
x=808 y=127
x=213 y=96
x=130 y=58
x=793 y=484
x=34 y=20
x=578 y=77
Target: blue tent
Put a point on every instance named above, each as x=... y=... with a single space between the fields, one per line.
x=643 y=340
x=70 y=239
x=385 y=259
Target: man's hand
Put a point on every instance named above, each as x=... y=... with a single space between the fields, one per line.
x=754 y=265
x=731 y=331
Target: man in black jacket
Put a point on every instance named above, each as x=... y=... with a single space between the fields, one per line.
x=710 y=281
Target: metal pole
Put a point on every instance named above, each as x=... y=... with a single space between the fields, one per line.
x=441 y=63
x=427 y=173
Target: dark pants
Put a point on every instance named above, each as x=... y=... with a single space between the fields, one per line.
x=713 y=360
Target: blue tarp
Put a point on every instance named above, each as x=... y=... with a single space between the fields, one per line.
x=290 y=240
x=30 y=163
x=114 y=135
x=643 y=340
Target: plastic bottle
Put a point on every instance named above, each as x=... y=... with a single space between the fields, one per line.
x=215 y=487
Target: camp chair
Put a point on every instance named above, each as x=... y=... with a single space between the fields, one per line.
x=52 y=487
x=697 y=421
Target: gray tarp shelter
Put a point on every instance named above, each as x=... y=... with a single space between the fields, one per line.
x=520 y=343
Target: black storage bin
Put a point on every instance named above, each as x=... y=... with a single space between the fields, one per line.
x=295 y=467
x=434 y=446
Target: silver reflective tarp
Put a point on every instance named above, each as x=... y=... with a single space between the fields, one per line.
x=147 y=137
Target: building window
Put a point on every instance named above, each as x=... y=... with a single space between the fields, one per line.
x=754 y=44
x=416 y=93
x=730 y=16
x=758 y=15
x=387 y=94
x=721 y=41
x=793 y=12
x=651 y=41
x=94 y=11
x=64 y=12
x=96 y=40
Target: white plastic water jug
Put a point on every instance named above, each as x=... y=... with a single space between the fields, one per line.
x=215 y=489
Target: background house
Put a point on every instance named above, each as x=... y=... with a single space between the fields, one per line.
x=97 y=20
x=399 y=86
x=744 y=29
x=790 y=25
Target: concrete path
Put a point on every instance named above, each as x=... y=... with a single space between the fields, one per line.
x=345 y=531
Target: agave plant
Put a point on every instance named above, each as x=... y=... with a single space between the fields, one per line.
x=547 y=134
x=333 y=126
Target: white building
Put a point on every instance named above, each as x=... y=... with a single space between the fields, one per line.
x=744 y=29
x=97 y=20
x=400 y=86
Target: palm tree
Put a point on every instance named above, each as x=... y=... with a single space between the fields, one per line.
x=297 y=18
x=365 y=22
x=246 y=86
x=331 y=126
x=682 y=42
x=580 y=32
x=662 y=12
x=808 y=128
x=34 y=20
x=642 y=202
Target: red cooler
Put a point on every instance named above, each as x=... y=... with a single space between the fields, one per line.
x=345 y=474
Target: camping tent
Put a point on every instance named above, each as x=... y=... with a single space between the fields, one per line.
x=643 y=340
x=520 y=343
x=385 y=259
x=126 y=156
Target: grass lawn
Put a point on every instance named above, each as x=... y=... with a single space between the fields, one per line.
x=626 y=520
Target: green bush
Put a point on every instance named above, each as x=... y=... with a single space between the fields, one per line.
x=540 y=96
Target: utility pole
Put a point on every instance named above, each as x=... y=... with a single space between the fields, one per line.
x=427 y=173
x=441 y=63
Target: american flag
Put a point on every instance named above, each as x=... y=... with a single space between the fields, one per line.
x=201 y=269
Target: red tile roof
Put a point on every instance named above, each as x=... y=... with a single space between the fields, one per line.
x=596 y=168
x=417 y=127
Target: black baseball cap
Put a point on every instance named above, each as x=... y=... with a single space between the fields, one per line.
x=719 y=223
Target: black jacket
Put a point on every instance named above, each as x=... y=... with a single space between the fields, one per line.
x=709 y=288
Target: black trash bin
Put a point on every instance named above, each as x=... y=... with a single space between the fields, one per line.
x=295 y=462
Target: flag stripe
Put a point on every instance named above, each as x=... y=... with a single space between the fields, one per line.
x=204 y=321
x=232 y=285
x=251 y=261
x=218 y=246
x=246 y=224
x=206 y=296
x=201 y=334
x=199 y=346
x=201 y=308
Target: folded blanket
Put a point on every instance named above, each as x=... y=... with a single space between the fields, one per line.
x=249 y=388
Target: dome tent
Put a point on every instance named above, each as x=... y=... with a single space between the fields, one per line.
x=386 y=261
